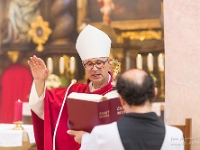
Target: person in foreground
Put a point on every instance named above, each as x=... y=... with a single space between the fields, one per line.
x=139 y=128
x=93 y=47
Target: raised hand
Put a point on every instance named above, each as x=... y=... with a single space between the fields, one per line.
x=38 y=69
x=39 y=73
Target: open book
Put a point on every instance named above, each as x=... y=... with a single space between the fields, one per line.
x=93 y=97
x=88 y=110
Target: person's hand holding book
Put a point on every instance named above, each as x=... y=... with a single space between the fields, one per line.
x=77 y=135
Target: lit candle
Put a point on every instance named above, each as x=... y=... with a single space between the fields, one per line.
x=161 y=66
x=128 y=61
x=18 y=110
x=150 y=62
x=50 y=65
x=139 y=61
x=62 y=65
x=72 y=65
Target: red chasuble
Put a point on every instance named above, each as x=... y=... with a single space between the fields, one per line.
x=44 y=129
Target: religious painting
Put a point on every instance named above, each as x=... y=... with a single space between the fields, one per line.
x=16 y=20
x=121 y=11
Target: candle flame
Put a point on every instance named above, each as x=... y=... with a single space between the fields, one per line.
x=50 y=65
x=150 y=62
x=161 y=62
x=139 y=55
x=150 y=55
x=62 y=65
x=49 y=59
x=72 y=65
x=161 y=55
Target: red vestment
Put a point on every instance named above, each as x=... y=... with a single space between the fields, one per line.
x=44 y=129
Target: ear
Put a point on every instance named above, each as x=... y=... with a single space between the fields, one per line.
x=121 y=100
x=155 y=91
x=155 y=94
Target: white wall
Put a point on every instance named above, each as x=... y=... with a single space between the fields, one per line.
x=182 y=63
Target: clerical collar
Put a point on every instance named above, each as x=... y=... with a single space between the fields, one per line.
x=91 y=87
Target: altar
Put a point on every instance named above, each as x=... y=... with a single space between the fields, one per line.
x=16 y=139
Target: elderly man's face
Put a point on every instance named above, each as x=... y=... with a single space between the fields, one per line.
x=97 y=69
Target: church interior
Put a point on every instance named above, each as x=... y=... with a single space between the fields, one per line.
x=49 y=28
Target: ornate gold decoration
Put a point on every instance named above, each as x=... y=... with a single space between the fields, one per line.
x=13 y=55
x=142 y=35
x=40 y=32
x=67 y=60
x=115 y=67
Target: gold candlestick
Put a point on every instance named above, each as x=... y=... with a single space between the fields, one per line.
x=162 y=84
x=154 y=77
x=18 y=125
x=72 y=76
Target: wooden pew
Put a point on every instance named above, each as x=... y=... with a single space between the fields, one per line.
x=186 y=128
x=187 y=132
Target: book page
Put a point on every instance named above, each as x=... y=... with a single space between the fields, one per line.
x=93 y=97
x=85 y=96
x=111 y=94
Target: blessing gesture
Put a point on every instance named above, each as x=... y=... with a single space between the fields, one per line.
x=39 y=72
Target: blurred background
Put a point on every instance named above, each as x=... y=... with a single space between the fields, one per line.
x=49 y=28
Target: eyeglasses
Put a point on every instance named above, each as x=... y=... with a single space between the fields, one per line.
x=99 y=64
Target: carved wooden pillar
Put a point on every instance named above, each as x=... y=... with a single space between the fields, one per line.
x=63 y=21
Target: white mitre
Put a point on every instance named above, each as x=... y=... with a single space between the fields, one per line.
x=93 y=43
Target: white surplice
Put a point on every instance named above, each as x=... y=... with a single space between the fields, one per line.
x=106 y=137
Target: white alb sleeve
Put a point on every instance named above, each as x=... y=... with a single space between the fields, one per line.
x=37 y=103
x=84 y=140
x=103 y=137
x=88 y=142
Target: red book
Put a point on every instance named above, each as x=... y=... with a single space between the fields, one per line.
x=88 y=110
